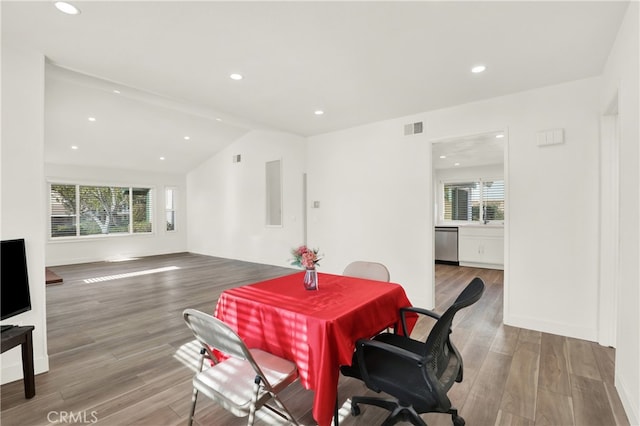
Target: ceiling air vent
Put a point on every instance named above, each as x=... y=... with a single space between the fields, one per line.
x=413 y=128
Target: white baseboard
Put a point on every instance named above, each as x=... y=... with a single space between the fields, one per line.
x=562 y=329
x=482 y=265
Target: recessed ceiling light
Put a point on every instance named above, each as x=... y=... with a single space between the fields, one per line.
x=116 y=91
x=235 y=76
x=318 y=112
x=478 y=69
x=186 y=138
x=500 y=136
x=456 y=164
x=218 y=119
x=74 y=147
x=67 y=8
x=443 y=156
x=91 y=119
x=162 y=158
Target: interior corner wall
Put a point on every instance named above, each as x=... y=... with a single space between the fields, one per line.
x=620 y=79
x=22 y=177
x=226 y=200
x=160 y=241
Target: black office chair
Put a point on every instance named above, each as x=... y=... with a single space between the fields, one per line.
x=416 y=374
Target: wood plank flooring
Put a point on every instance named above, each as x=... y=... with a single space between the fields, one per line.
x=120 y=354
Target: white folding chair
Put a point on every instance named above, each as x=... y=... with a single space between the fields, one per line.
x=246 y=380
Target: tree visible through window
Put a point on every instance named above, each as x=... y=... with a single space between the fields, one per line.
x=79 y=210
x=142 y=212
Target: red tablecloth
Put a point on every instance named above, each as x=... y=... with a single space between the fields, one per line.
x=315 y=329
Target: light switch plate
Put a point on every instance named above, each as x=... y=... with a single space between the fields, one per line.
x=550 y=137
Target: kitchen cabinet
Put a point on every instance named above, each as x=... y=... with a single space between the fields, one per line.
x=481 y=246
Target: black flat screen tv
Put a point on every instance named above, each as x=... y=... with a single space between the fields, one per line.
x=14 y=293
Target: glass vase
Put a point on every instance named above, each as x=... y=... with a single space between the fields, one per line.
x=311 y=279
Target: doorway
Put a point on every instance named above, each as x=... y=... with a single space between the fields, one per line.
x=469 y=175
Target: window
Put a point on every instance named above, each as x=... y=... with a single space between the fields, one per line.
x=170 y=208
x=480 y=201
x=63 y=210
x=82 y=210
x=459 y=200
x=141 y=210
x=493 y=200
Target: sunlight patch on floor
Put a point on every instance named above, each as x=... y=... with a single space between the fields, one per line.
x=344 y=411
x=130 y=274
x=121 y=259
x=189 y=355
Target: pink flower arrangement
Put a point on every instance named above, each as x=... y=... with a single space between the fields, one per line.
x=305 y=257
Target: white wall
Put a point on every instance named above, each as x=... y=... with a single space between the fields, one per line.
x=374 y=188
x=621 y=77
x=92 y=249
x=22 y=179
x=551 y=272
x=227 y=201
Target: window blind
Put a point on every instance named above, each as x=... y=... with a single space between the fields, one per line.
x=473 y=201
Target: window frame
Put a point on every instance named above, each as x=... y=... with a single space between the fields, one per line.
x=481 y=213
x=129 y=187
x=173 y=210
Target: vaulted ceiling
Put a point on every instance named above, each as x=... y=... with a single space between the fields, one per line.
x=359 y=62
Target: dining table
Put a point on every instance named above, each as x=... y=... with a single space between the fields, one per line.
x=316 y=329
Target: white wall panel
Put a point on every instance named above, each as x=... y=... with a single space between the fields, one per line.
x=22 y=182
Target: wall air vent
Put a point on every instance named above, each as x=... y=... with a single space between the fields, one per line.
x=236 y=158
x=408 y=129
x=413 y=128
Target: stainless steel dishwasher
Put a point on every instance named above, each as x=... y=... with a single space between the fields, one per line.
x=447 y=245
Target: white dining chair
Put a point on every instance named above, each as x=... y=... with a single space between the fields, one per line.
x=368 y=270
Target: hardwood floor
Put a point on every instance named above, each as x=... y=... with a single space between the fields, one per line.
x=120 y=354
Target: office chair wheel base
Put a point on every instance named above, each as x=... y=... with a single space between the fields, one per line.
x=457 y=421
x=355 y=410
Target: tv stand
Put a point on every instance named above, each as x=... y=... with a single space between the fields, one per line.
x=6 y=327
x=22 y=335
